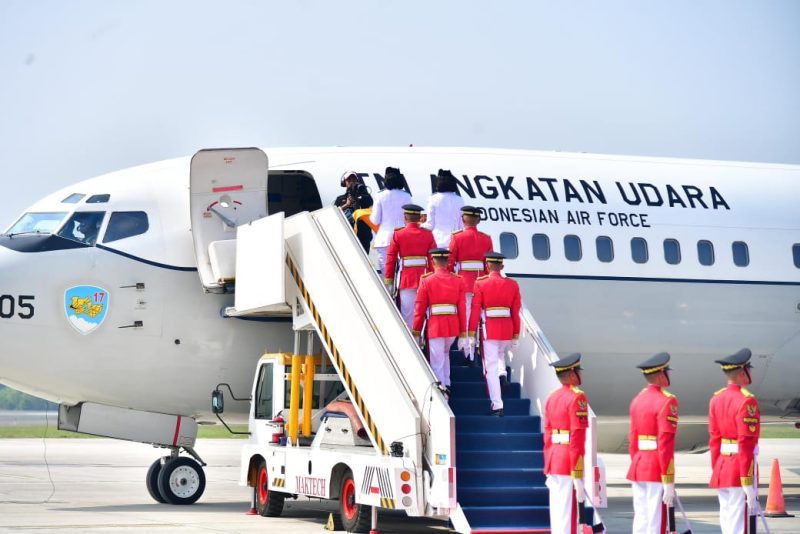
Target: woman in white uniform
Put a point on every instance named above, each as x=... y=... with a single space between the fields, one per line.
x=444 y=209
x=387 y=211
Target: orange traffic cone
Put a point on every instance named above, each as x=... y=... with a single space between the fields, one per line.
x=775 y=505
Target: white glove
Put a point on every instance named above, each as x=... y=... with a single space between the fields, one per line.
x=750 y=494
x=515 y=343
x=418 y=340
x=463 y=343
x=471 y=342
x=580 y=491
x=389 y=286
x=669 y=494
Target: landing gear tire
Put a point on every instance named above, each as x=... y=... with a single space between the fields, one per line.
x=355 y=517
x=151 y=480
x=268 y=503
x=181 y=481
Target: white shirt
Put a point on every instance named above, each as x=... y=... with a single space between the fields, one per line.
x=387 y=212
x=444 y=216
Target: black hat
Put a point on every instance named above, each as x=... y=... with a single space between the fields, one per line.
x=439 y=252
x=494 y=257
x=568 y=363
x=391 y=171
x=740 y=359
x=659 y=362
x=445 y=173
x=470 y=210
x=412 y=209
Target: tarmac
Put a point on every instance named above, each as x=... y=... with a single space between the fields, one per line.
x=97 y=485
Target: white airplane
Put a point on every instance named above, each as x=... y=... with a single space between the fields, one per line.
x=618 y=258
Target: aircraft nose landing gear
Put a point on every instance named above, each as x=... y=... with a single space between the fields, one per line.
x=176 y=479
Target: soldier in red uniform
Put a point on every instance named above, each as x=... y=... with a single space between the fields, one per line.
x=566 y=418
x=734 y=424
x=467 y=249
x=654 y=422
x=499 y=299
x=408 y=251
x=441 y=298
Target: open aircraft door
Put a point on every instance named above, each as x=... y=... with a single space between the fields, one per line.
x=228 y=188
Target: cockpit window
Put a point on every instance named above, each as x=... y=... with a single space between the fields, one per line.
x=37 y=223
x=83 y=227
x=74 y=198
x=98 y=199
x=124 y=224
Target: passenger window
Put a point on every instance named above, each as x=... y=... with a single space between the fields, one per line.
x=572 y=247
x=796 y=254
x=263 y=406
x=605 y=249
x=639 y=250
x=672 y=251
x=124 y=224
x=98 y=199
x=83 y=227
x=74 y=198
x=508 y=245
x=741 y=256
x=541 y=246
x=705 y=252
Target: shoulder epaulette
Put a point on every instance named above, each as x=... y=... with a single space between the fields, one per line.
x=456 y=274
x=719 y=391
x=746 y=392
x=667 y=393
x=576 y=389
x=484 y=277
x=557 y=389
x=399 y=228
x=426 y=275
x=456 y=231
x=643 y=390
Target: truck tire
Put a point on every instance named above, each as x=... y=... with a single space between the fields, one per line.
x=355 y=517
x=268 y=503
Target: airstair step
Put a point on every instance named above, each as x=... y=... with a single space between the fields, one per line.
x=487 y=423
x=482 y=406
x=503 y=496
x=459 y=373
x=477 y=390
x=518 y=441
x=499 y=459
x=494 y=478
x=507 y=516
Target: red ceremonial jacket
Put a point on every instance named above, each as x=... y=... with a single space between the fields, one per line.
x=441 y=292
x=654 y=420
x=733 y=417
x=565 y=412
x=499 y=297
x=469 y=245
x=409 y=244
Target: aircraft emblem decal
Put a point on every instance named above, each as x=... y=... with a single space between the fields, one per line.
x=86 y=307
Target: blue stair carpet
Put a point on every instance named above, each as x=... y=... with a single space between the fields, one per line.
x=499 y=460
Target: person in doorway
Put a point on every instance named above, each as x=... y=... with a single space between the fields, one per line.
x=498 y=298
x=734 y=426
x=387 y=212
x=408 y=253
x=566 y=418
x=467 y=250
x=441 y=299
x=444 y=208
x=653 y=426
x=355 y=203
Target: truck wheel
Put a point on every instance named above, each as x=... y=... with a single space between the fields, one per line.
x=355 y=517
x=152 y=481
x=268 y=503
x=181 y=481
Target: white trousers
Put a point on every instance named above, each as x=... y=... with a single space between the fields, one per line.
x=408 y=297
x=563 y=509
x=732 y=511
x=382 y=259
x=469 y=352
x=494 y=358
x=439 y=353
x=648 y=508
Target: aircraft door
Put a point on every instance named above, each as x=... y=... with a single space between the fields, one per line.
x=228 y=188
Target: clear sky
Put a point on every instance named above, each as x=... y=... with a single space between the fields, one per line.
x=92 y=86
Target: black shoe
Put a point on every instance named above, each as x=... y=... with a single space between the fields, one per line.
x=503 y=382
x=496 y=413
